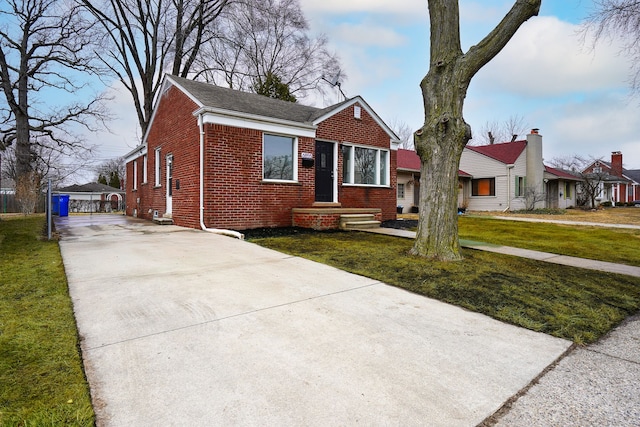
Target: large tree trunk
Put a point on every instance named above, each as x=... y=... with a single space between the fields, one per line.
x=440 y=148
x=440 y=142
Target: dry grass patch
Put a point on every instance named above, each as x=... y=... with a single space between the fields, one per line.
x=619 y=215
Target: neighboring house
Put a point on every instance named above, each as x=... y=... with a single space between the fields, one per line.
x=512 y=176
x=617 y=184
x=213 y=157
x=408 y=188
x=93 y=197
x=7 y=196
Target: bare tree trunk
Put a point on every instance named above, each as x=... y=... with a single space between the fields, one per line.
x=440 y=141
x=437 y=235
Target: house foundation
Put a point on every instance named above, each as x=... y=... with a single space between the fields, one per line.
x=330 y=218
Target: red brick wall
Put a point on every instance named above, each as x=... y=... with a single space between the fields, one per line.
x=235 y=195
x=344 y=127
x=174 y=131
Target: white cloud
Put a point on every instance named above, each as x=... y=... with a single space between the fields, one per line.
x=398 y=7
x=367 y=34
x=545 y=57
x=594 y=127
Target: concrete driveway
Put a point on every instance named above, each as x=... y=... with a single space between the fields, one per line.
x=184 y=327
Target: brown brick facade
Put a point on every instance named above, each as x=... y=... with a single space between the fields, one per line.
x=235 y=195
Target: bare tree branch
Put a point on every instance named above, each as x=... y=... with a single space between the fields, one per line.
x=144 y=39
x=256 y=40
x=616 y=20
x=44 y=52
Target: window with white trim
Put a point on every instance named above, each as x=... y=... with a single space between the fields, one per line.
x=365 y=165
x=400 y=191
x=158 y=169
x=279 y=158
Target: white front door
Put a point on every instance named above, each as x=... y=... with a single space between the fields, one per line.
x=169 y=209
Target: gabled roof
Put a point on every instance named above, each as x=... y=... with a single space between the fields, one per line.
x=409 y=161
x=91 y=187
x=506 y=152
x=607 y=175
x=566 y=175
x=211 y=98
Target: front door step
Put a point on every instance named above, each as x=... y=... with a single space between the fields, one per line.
x=358 y=221
x=163 y=221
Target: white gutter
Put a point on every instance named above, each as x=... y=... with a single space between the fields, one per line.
x=509 y=168
x=204 y=227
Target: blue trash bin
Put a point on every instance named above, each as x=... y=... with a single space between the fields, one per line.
x=55 y=204
x=64 y=205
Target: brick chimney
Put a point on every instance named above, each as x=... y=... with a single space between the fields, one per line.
x=616 y=163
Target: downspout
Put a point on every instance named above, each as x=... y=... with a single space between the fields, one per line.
x=230 y=233
x=509 y=168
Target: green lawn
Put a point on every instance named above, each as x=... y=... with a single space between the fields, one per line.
x=41 y=378
x=567 y=302
x=604 y=244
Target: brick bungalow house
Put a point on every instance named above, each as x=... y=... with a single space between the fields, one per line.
x=213 y=157
x=618 y=185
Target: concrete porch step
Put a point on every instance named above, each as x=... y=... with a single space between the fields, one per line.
x=163 y=221
x=358 y=221
x=360 y=225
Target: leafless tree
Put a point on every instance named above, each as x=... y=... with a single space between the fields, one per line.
x=110 y=167
x=440 y=141
x=48 y=162
x=617 y=20
x=143 y=39
x=532 y=196
x=404 y=132
x=574 y=163
x=43 y=54
x=589 y=188
x=268 y=38
x=497 y=132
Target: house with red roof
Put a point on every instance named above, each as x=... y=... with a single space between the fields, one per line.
x=408 y=186
x=506 y=176
x=616 y=184
x=512 y=176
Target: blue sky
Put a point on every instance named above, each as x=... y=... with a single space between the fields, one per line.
x=578 y=98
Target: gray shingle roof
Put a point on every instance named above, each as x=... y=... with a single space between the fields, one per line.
x=91 y=187
x=633 y=174
x=250 y=103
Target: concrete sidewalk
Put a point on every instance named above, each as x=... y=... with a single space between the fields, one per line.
x=183 y=327
x=589 y=264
